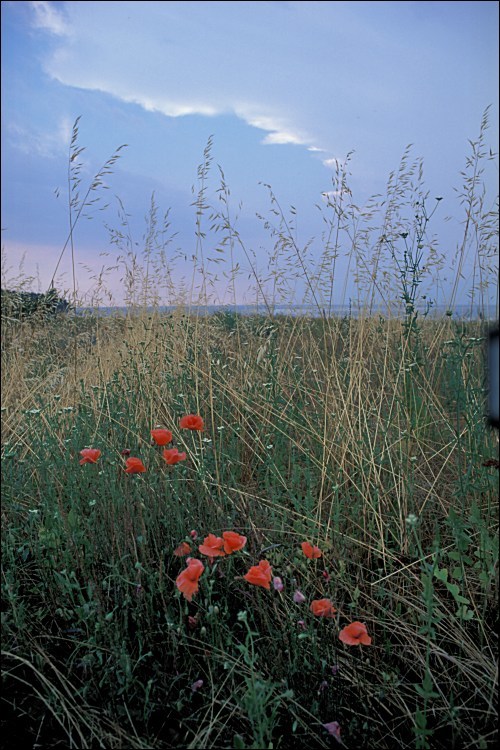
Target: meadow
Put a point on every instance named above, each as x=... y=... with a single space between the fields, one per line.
x=304 y=551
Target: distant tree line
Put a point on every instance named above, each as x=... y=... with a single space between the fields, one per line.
x=19 y=305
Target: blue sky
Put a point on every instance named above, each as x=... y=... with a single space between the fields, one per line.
x=285 y=88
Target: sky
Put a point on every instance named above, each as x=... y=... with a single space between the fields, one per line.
x=285 y=91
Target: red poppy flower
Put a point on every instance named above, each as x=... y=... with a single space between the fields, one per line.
x=161 y=437
x=182 y=549
x=134 y=466
x=212 y=546
x=354 y=634
x=322 y=608
x=90 y=455
x=191 y=422
x=260 y=575
x=233 y=541
x=172 y=456
x=309 y=551
x=187 y=580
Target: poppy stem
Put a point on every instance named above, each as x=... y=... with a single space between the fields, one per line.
x=272 y=546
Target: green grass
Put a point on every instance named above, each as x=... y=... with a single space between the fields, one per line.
x=97 y=638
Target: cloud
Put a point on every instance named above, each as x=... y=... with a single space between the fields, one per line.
x=47 y=144
x=332 y=163
x=46 y=16
x=280 y=129
x=315 y=74
x=169 y=60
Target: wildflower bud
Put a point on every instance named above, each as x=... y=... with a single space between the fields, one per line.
x=193 y=534
x=278 y=584
x=126 y=452
x=326 y=575
x=333 y=728
x=301 y=624
x=299 y=597
x=196 y=685
x=192 y=622
x=411 y=520
x=203 y=631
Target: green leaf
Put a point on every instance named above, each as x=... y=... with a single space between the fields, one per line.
x=455 y=592
x=441 y=575
x=72 y=519
x=464 y=614
x=484 y=578
x=426 y=693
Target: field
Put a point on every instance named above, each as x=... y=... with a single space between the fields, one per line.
x=352 y=454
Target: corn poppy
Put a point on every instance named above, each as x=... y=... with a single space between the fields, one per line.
x=322 y=608
x=212 y=546
x=134 y=466
x=260 y=575
x=354 y=634
x=309 y=551
x=90 y=455
x=187 y=580
x=233 y=541
x=191 y=422
x=172 y=456
x=161 y=437
x=182 y=549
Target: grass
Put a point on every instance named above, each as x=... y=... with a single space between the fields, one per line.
x=364 y=436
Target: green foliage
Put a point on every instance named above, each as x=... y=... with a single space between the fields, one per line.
x=20 y=305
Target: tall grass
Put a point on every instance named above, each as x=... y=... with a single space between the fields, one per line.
x=362 y=435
